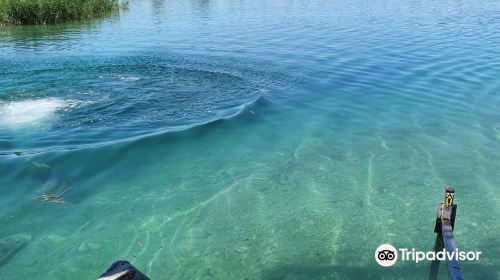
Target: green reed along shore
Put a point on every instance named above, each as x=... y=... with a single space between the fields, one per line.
x=19 y=12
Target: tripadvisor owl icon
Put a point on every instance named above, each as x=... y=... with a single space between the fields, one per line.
x=386 y=255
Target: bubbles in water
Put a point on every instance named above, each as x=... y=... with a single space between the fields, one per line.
x=16 y=114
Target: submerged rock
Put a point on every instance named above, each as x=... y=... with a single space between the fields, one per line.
x=11 y=245
x=88 y=245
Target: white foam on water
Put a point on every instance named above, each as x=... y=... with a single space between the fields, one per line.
x=16 y=114
x=128 y=79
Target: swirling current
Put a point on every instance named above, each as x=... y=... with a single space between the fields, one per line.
x=71 y=103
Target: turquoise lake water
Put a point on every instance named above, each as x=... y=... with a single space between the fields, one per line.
x=259 y=139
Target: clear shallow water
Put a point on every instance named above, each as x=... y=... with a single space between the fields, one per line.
x=250 y=140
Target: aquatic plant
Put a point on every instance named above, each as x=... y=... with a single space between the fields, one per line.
x=19 y=12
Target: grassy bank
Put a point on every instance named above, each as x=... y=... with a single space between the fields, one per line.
x=52 y=11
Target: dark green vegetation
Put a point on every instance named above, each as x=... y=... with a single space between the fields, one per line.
x=53 y=11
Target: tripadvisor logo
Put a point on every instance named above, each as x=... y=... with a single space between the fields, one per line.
x=387 y=255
